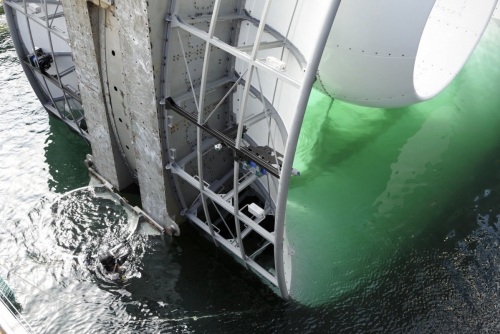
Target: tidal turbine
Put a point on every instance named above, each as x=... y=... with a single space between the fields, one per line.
x=204 y=104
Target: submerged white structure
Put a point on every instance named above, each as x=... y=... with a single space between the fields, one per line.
x=392 y=53
x=201 y=102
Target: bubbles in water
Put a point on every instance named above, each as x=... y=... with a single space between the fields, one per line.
x=79 y=226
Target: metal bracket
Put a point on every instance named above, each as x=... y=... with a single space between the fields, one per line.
x=265 y=153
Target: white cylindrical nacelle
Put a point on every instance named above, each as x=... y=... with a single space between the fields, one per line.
x=392 y=53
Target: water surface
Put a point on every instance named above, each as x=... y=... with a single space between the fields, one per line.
x=377 y=183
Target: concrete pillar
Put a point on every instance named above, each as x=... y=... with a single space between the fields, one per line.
x=108 y=160
x=139 y=57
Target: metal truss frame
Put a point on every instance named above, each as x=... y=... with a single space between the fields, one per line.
x=70 y=97
x=281 y=41
x=235 y=139
x=235 y=78
x=224 y=137
x=229 y=201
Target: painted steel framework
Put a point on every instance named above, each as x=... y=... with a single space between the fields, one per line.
x=255 y=68
x=59 y=98
x=223 y=133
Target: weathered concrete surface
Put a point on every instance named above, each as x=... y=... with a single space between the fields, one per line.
x=108 y=160
x=141 y=101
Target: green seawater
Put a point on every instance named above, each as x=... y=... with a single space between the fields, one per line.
x=375 y=182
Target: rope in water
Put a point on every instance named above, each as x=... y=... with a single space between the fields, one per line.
x=122 y=320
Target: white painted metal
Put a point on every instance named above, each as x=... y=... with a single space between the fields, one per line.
x=9 y=321
x=391 y=53
x=260 y=103
x=235 y=251
x=201 y=106
x=282 y=258
x=496 y=13
x=42 y=25
x=256 y=211
x=239 y=134
x=237 y=53
x=221 y=202
x=377 y=54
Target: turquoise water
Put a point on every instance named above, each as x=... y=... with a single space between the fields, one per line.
x=448 y=281
x=375 y=183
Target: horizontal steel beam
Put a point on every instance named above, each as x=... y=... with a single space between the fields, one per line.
x=250 y=262
x=242 y=151
x=208 y=18
x=35 y=19
x=235 y=52
x=268 y=29
x=53 y=16
x=273 y=32
x=210 y=87
x=262 y=46
x=206 y=144
x=50 y=2
x=67 y=71
x=244 y=184
x=213 y=186
x=249 y=121
x=222 y=203
x=63 y=54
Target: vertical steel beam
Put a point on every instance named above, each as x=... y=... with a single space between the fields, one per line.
x=165 y=87
x=28 y=26
x=66 y=103
x=201 y=106
x=246 y=91
x=291 y=147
